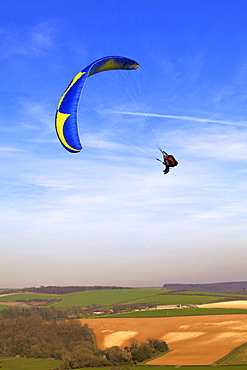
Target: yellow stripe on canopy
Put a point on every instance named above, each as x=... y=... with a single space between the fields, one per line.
x=76 y=78
x=60 y=121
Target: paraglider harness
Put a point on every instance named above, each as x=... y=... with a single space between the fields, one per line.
x=168 y=161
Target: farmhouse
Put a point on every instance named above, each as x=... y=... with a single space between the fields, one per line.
x=160 y=307
x=98 y=312
x=168 y=307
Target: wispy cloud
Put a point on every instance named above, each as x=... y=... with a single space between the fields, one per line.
x=183 y=118
x=37 y=113
x=223 y=146
x=9 y=149
x=19 y=42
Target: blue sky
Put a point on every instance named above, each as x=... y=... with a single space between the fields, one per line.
x=108 y=216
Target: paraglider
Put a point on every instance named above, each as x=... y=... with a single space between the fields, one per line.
x=168 y=161
x=66 y=114
x=66 y=122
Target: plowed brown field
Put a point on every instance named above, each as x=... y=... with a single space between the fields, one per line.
x=193 y=340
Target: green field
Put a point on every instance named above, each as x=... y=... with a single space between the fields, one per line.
x=111 y=297
x=24 y=296
x=180 y=312
x=43 y=364
x=238 y=356
x=28 y=364
x=148 y=367
x=244 y=296
x=173 y=299
x=3 y=307
x=106 y=297
x=27 y=296
x=87 y=298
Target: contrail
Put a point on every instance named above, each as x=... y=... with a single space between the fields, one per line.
x=184 y=118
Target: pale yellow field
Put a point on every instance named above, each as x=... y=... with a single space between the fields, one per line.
x=5 y=295
x=230 y=304
x=193 y=340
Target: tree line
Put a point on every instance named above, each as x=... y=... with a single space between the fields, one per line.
x=28 y=333
x=69 y=312
x=234 y=287
x=34 y=337
x=115 y=356
x=61 y=289
x=49 y=313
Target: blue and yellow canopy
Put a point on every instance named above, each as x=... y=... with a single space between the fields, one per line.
x=66 y=114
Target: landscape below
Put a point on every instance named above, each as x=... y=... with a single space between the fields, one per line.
x=121 y=326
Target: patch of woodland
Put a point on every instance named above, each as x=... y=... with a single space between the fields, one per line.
x=239 y=287
x=28 y=333
x=49 y=313
x=115 y=356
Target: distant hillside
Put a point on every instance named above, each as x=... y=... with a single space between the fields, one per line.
x=230 y=287
x=60 y=289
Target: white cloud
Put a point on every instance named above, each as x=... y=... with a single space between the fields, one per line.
x=184 y=118
x=26 y=42
x=9 y=149
x=216 y=144
x=36 y=115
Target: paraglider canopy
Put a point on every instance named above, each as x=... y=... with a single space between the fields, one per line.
x=66 y=114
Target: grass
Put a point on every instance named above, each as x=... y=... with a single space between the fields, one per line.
x=87 y=298
x=187 y=368
x=27 y=296
x=180 y=312
x=244 y=296
x=183 y=299
x=110 y=297
x=14 y=363
x=43 y=364
x=148 y=367
x=238 y=356
x=105 y=297
x=3 y=307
